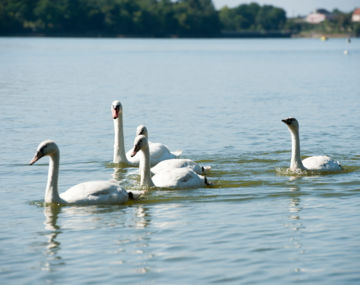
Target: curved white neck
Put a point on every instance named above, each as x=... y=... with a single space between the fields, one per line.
x=296 y=162
x=51 y=192
x=144 y=168
x=119 y=148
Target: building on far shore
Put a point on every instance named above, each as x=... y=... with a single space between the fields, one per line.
x=320 y=15
x=356 y=15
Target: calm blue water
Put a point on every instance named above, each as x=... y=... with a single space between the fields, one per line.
x=221 y=102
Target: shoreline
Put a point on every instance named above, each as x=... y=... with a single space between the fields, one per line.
x=224 y=35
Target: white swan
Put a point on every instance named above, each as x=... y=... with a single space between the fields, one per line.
x=119 y=148
x=179 y=163
x=158 y=151
x=173 y=178
x=317 y=163
x=87 y=193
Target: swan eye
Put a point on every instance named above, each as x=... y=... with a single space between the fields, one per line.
x=291 y=120
x=42 y=150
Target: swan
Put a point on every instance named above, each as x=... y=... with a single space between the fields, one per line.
x=119 y=148
x=179 y=163
x=87 y=193
x=171 y=178
x=158 y=151
x=317 y=163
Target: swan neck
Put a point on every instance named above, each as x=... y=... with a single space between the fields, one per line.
x=296 y=162
x=144 y=167
x=119 y=148
x=51 y=192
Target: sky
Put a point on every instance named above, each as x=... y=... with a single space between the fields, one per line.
x=296 y=7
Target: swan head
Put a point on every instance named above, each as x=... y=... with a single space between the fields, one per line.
x=140 y=143
x=292 y=123
x=116 y=109
x=142 y=130
x=47 y=147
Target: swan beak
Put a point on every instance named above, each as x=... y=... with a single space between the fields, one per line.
x=286 y=121
x=115 y=113
x=136 y=149
x=35 y=159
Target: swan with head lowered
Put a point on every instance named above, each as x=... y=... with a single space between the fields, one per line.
x=315 y=163
x=87 y=193
x=158 y=151
x=179 y=163
x=170 y=178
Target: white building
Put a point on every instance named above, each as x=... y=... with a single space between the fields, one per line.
x=356 y=15
x=317 y=17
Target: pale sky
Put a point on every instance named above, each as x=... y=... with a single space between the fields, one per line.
x=297 y=7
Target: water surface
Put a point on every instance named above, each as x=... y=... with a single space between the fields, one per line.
x=221 y=102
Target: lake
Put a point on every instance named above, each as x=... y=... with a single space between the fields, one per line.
x=221 y=102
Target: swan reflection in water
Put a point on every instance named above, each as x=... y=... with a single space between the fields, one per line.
x=117 y=219
x=296 y=226
x=52 y=231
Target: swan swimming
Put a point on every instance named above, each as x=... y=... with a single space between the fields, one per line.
x=317 y=163
x=158 y=151
x=179 y=163
x=171 y=178
x=119 y=148
x=87 y=193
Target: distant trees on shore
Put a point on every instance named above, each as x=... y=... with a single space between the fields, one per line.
x=252 y=17
x=145 y=18
x=110 y=17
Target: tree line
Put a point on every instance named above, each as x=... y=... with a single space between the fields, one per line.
x=142 y=18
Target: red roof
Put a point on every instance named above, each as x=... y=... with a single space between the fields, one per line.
x=357 y=11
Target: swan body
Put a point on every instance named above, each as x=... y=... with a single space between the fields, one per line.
x=158 y=151
x=321 y=162
x=87 y=193
x=316 y=163
x=179 y=178
x=170 y=178
x=179 y=163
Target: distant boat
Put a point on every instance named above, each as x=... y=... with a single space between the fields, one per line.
x=324 y=38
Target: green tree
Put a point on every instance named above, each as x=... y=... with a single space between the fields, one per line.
x=271 y=18
x=196 y=18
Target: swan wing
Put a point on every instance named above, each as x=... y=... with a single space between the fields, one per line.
x=95 y=192
x=177 y=153
x=176 y=163
x=178 y=178
x=322 y=163
x=159 y=152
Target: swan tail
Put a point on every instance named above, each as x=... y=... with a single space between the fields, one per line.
x=205 y=169
x=135 y=195
x=207 y=181
x=177 y=153
x=341 y=167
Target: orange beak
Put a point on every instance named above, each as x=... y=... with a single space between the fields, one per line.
x=135 y=151
x=35 y=159
x=115 y=113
